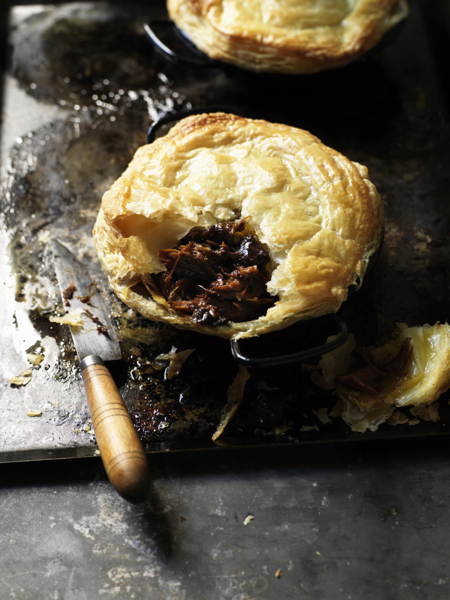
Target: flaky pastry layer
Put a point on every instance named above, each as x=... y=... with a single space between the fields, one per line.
x=287 y=36
x=315 y=211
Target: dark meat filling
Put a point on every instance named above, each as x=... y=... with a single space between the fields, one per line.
x=370 y=379
x=216 y=275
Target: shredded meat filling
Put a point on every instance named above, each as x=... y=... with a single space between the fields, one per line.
x=216 y=275
x=369 y=378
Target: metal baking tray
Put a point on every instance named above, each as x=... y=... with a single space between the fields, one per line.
x=80 y=88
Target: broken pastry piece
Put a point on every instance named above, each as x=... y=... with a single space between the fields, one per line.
x=305 y=36
x=235 y=393
x=412 y=370
x=23 y=378
x=73 y=319
x=236 y=227
x=174 y=359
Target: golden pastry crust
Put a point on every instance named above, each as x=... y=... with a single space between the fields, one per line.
x=286 y=36
x=315 y=211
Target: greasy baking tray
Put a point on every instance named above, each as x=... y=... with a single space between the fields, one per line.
x=81 y=87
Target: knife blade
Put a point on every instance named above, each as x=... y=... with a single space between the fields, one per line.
x=96 y=342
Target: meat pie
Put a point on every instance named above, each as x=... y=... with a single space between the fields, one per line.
x=236 y=227
x=286 y=36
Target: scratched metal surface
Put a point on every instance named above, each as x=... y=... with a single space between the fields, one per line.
x=77 y=104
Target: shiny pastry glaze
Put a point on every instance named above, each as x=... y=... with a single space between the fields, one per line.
x=216 y=275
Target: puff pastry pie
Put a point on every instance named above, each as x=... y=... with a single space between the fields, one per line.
x=236 y=227
x=287 y=36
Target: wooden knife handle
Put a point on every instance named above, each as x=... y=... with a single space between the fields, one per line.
x=120 y=448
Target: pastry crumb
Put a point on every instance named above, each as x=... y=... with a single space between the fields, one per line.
x=322 y=415
x=427 y=413
x=309 y=428
x=34 y=413
x=22 y=378
x=44 y=237
x=397 y=418
x=35 y=359
x=73 y=319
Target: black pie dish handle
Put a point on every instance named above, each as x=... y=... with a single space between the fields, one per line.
x=191 y=56
x=172 y=118
x=304 y=355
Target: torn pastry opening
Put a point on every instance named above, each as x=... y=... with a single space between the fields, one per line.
x=215 y=275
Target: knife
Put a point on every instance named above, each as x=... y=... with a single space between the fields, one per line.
x=95 y=341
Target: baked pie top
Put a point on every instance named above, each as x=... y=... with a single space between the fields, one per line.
x=287 y=36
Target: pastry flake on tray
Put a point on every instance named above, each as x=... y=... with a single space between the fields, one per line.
x=412 y=370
